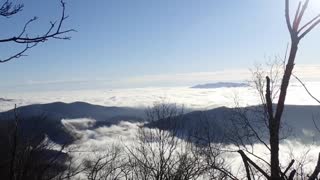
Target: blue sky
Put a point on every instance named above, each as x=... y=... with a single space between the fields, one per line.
x=120 y=39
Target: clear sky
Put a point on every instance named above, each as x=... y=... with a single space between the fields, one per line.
x=121 y=40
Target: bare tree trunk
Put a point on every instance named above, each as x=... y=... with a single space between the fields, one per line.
x=274 y=122
x=274 y=145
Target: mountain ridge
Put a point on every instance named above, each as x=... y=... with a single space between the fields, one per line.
x=219 y=85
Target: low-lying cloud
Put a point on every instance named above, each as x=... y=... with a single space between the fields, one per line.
x=143 y=97
x=97 y=141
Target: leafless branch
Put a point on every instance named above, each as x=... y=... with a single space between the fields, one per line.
x=7 y=9
x=31 y=42
x=316 y=171
x=308 y=23
x=243 y=155
x=305 y=87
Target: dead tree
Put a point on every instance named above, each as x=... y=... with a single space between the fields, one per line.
x=54 y=31
x=297 y=33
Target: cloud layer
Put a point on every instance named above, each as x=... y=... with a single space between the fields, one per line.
x=96 y=141
x=142 y=97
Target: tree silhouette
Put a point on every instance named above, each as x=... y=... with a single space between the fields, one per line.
x=55 y=31
x=297 y=33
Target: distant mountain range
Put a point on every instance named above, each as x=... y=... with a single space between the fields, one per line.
x=220 y=85
x=45 y=119
x=5 y=100
x=224 y=124
x=60 y=110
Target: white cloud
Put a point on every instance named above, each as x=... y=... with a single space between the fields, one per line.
x=96 y=141
x=142 y=97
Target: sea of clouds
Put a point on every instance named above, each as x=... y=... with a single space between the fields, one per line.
x=142 y=97
x=96 y=140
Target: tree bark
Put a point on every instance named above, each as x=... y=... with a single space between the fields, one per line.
x=274 y=122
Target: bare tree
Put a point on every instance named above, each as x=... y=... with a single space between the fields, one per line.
x=158 y=154
x=275 y=112
x=31 y=157
x=108 y=166
x=27 y=153
x=297 y=33
x=54 y=31
x=212 y=149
